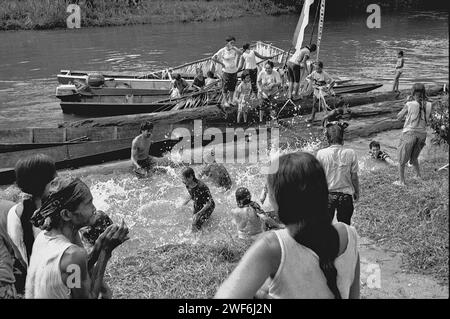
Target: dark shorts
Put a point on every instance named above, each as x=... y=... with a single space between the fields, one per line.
x=343 y=204
x=253 y=77
x=229 y=82
x=199 y=219
x=293 y=72
x=411 y=144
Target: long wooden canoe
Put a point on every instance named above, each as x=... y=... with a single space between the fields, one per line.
x=110 y=102
x=75 y=147
x=160 y=79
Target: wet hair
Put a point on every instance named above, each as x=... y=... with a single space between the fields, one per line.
x=244 y=74
x=335 y=132
x=320 y=64
x=419 y=89
x=299 y=187
x=269 y=63
x=230 y=38
x=65 y=193
x=374 y=144
x=33 y=173
x=146 y=126
x=243 y=196
x=210 y=74
x=188 y=172
x=400 y=52
x=312 y=47
x=246 y=46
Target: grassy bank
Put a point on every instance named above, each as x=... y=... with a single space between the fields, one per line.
x=46 y=14
x=413 y=220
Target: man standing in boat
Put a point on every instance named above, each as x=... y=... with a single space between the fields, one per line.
x=228 y=57
x=140 y=148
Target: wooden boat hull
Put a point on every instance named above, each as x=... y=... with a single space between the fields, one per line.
x=114 y=143
x=356 y=88
x=111 y=109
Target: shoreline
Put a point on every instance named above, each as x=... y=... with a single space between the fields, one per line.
x=36 y=16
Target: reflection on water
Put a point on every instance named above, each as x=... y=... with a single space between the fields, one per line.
x=30 y=60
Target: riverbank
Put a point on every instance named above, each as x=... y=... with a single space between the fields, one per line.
x=40 y=15
x=403 y=231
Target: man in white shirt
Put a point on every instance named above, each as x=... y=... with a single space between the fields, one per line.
x=269 y=81
x=341 y=169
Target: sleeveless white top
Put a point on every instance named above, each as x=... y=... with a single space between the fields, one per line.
x=15 y=231
x=44 y=279
x=250 y=60
x=299 y=275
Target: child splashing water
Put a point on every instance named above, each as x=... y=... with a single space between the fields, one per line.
x=311 y=257
x=249 y=218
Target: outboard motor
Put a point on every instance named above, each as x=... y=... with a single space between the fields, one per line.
x=95 y=79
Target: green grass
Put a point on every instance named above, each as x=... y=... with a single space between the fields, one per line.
x=50 y=14
x=413 y=219
x=174 y=271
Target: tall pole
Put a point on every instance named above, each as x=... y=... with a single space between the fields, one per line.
x=319 y=32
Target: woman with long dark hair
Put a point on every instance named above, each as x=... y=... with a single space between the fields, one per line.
x=311 y=257
x=33 y=175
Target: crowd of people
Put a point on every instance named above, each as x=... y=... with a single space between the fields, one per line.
x=259 y=83
x=304 y=248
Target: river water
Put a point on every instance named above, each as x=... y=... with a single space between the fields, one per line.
x=30 y=60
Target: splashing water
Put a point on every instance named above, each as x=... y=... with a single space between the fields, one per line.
x=152 y=209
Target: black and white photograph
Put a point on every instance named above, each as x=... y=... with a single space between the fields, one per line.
x=194 y=150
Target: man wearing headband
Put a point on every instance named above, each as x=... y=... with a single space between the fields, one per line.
x=341 y=169
x=59 y=267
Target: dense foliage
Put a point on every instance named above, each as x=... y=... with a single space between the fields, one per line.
x=439 y=120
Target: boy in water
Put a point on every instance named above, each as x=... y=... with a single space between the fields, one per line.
x=376 y=153
x=201 y=196
x=143 y=162
x=140 y=148
x=216 y=172
x=398 y=71
x=249 y=218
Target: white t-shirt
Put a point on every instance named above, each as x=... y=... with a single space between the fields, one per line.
x=267 y=79
x=339 y=163
x=299 y=56
x=250 y=60
x=229 y=58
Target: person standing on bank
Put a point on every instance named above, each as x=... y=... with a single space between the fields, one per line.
x=414 y=134
x=248 y=63
x=228 y=57
x=297 y=68
x=341 y=169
